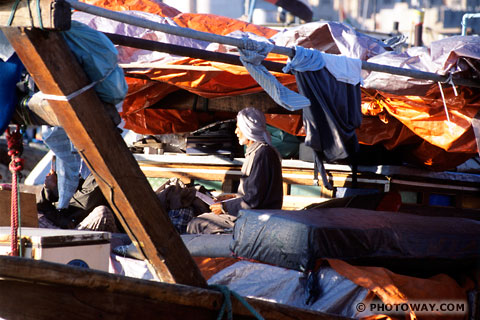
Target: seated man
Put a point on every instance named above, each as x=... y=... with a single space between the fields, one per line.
x=87 y=210
x=261 y=182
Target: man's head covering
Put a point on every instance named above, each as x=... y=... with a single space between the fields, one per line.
x=253 y=125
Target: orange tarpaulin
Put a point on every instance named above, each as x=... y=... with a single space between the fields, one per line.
x=427 y=117
x=156 y=7
x=219 y=25
x=291 y=123
x=421 y=124
x=394 y=288
x=415 y=150
x=228 y=80
x=209 y=266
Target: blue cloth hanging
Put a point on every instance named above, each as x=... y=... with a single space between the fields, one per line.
x=10 y=73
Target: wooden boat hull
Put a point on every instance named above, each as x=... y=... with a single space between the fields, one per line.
x=33 y=289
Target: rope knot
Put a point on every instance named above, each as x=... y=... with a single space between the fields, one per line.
x=16 y=164
x=14 y=142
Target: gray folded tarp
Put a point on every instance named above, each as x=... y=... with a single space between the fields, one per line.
x=296 y=239
x=325 y=290
x=208 y=245
x=199 y=245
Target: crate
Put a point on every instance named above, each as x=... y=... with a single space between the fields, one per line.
x=28 y=209
x=89 y=249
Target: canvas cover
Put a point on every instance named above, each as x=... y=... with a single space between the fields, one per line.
x=418 y=121
x=98 y=58
x=325 y=290
x=296 y=239
x=340 y=288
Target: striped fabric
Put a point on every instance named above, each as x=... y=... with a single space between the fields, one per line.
x=251 y=58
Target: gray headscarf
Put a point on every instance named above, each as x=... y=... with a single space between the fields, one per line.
x=253 y=125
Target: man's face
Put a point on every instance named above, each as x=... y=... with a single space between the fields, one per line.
x=242 y=140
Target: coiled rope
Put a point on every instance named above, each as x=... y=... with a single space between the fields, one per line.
x=15 y=150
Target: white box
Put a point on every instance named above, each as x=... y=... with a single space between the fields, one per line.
x=74 y=247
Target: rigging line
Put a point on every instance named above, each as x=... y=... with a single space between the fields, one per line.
x=210 y=37
x=12 y=12
x=30 y=13
x=39 y=14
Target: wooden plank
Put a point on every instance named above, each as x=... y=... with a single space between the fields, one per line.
x=43 y=110
x=260 y=100
x=28 y=209
x=202 y=171
x=300 y=202
x=45 y=290
x=187 y=172
x=185 y=100
x=54 y=69
x=47 y=14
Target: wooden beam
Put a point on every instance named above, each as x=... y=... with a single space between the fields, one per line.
x=201 y=171
x=50 y=62
x=32 y=289
x=185 y=100
x=43 y=112
x=47 y=14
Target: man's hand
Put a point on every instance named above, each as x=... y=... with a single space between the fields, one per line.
x=51 y=181
x=217 y=208
x=225 y=196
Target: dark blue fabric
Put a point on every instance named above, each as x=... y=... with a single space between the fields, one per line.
x=333 y=116
x=10 y=74
x=296 y=239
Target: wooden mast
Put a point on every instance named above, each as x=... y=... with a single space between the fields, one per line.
x=55 y=70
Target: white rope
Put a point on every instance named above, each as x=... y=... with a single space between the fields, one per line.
x=76 y=93
x=450 y=124
x=69 y=97
x=450 y=81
